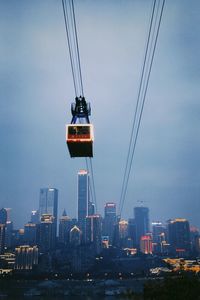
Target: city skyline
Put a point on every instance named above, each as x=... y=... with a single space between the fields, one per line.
x=48 y=203
x=141 y=213
x=37 y=91
x=95 y=233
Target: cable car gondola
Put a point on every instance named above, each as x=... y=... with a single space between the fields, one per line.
x=80 y=140
x=79 y=137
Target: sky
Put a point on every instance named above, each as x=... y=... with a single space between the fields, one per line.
x=36 y=91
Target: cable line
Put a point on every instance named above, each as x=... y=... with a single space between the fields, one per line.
x=136 y=109
x=93 y=184
x=69 y=45
x=80 y=109
x=77 y=48
x=147 y=73
x=72 y=39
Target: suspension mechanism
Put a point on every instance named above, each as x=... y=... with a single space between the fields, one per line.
x=80 y=109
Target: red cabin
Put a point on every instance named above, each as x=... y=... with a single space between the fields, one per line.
x=79 y=139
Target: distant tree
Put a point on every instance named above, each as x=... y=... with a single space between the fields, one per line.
x=173 y=288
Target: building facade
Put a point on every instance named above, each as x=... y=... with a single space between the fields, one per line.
x=146 y=244
x=109 y=220
x=65 y=225
x=3 y=216
x=48 y=204
x=141 y=215
x=93 y=231
x=179 y=236
x=2 y=238
x=26 y=257
x=85 y=206
x=35 y=217
x=75 y=236
x=30 y=234
x=46 y=234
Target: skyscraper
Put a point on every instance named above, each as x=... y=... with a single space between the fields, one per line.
x=195 y=238
x=48 y=203
x=65 y=226
x=84 y=204
x=179 y=236
x=141 y=222
x=93 y=231
x=123 y=233
x=3 y=216
x=109 y=220
x=158 y=228
x=3 y=220
x=75 y=236
x=46 y=236
x=2 y=238
x=146 y=244
x=30 y=234
x=8 y=234
x=132 y=231
x=35 y=217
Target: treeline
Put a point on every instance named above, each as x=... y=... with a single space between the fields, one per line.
x=182 y=287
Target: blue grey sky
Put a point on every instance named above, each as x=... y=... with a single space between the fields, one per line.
x=36 y=91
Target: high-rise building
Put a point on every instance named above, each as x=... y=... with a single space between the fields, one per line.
x=179 y=236
x=30 y=234
x=123 y=229
x=48 y=204
x=46 y=235
x=93 y=231
x=141 y=222
x=8 y=226
x=159 y=237
x=35 y=218
x=85 y=206
x=158 y=230
x=146 y=244
x=132 y=231
x=65 y=225
x=123 y=233
x=75 y=236
x=9 y=234
x=109 y=220
x=26 y=257
x=3 y=216
x=195 y=239
x=2 y=238
x=3 y=220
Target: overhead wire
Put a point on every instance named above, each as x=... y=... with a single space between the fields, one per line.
x=73 y=45
x=137 y=106
x=93 y=184
x=77 y=49
x=147 y=75
x=66 y=20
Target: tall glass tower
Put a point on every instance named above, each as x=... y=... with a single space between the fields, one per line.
x=3 y=216
x=179 y=236
x=84 y=204
x=109 y=221
x=48 y=203
x=141 y=222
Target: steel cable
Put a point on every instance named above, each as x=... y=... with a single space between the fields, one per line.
x=126 y=180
